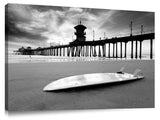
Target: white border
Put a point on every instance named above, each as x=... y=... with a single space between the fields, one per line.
x=131 y=114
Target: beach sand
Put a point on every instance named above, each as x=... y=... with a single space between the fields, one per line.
x=26 y=82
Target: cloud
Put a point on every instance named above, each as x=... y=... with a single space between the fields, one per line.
x=19 y=13
x=75 y=9
x=120 y=22
x=18 y=22
x=42 y=8
x=39 y=25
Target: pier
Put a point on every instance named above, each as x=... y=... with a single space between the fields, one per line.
x=97 y=48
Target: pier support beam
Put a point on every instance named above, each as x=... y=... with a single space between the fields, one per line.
x=86 y=52
x=54 y=52
x=121 y=49
x=81 y=53
x=132 y=49
x=116 y=49
x=46 y=52
x=151 y=49
x=84 y=49
x=99 y=51
x=57 y=52
x=104 y=50
x=76 y=51
x=136 y=49
x=140 y=49
x=125 y=54
x=90 y=50
x=113 y=49
x=68 y=51
x=64 y=51
x=73 y=51
x=51 y=52
x=108 y=50
x=95 y=54
x=60 y=51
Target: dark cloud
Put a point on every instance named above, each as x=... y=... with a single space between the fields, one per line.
x=97 y=12
x=42 y=8
x=11 y=29
x=18 y=12
x=120 y=21
x=60 y=20
x=43 y=24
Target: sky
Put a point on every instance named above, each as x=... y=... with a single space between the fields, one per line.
x=42 y=26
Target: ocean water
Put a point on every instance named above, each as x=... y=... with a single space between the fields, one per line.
x=11 y=58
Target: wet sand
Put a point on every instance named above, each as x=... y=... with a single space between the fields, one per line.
x=26 y=82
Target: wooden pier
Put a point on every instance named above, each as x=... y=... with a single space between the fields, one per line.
x=88 y=48
x=80 y=47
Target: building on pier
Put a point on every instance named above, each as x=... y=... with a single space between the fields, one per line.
x=80 y=32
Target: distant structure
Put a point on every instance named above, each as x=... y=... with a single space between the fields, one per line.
x=80 y=47
x=80 y=34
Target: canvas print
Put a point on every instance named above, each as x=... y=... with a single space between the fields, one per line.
x=72 y=58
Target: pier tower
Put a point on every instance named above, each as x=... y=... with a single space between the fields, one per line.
x=80 y=34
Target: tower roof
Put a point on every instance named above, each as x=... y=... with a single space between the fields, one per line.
x=80 y=26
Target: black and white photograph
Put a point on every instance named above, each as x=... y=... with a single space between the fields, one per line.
x=78 y=58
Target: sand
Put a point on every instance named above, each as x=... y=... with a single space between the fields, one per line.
x=26 y=82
